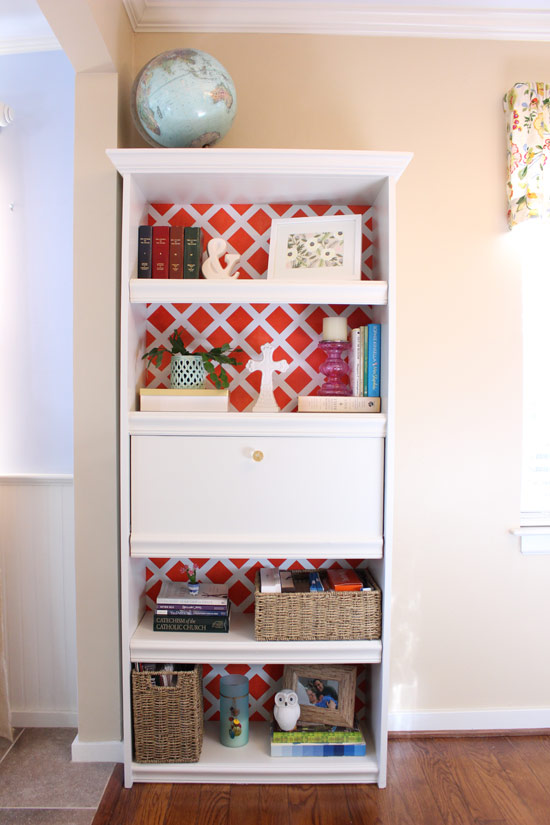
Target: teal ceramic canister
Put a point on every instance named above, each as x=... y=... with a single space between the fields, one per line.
x=234 y=711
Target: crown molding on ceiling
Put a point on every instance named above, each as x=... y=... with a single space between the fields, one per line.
x=344 y=17
x=21 y=45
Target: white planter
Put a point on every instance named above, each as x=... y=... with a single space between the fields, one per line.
x=186 y=371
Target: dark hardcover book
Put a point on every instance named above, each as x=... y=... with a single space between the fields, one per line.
x=160 y=252
x=176 y=252
x=145 y=237
x=192 y=251
x=192 y=624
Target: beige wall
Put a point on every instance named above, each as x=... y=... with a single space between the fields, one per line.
x=470 y=613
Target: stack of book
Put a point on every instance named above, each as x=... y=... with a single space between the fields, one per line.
x=178 y=610
x=169 y=251
x=202 y=399
x=273 y=580
x=317 y=740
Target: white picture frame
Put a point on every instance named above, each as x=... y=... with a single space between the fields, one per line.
x=333 y=254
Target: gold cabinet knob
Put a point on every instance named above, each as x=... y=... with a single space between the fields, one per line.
x=257 y=455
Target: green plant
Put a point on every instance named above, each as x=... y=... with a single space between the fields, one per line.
x=192 y=573
x=218 y=354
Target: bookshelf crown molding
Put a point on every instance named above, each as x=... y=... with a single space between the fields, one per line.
x=458 y=19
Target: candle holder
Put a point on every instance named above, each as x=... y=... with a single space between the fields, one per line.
x=335 y=368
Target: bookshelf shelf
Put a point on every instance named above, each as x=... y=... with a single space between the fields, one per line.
x=253 y=764
x=254 y=291
x=239 y=645
x=323 y=490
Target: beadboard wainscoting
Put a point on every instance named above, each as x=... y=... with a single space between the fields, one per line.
x=37 y=564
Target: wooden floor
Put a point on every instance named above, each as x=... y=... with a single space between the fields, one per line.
x=497 y=780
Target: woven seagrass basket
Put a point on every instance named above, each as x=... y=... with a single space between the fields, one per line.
x=314 y=616
x=168 y=720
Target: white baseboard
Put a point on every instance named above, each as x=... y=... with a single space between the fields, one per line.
x=465 y=720
x=97 y=751
x=44 y=719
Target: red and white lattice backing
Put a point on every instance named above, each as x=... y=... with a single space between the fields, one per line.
x=296 y=330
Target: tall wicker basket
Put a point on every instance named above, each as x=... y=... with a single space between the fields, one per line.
x=168 y=720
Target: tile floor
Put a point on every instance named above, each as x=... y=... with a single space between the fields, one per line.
x=39 y=785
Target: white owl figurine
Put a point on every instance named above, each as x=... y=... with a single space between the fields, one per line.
x=287 y=709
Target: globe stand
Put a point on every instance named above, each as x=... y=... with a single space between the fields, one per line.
x=335 y=368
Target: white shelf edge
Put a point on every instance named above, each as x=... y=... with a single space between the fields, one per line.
x=256 y=291
x=337 y=425
x=320 y=162
x=253 y=764
x=239 y=646
x=248 y=546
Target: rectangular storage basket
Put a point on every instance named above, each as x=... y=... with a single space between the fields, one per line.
x=168 y=720
x=329 y=615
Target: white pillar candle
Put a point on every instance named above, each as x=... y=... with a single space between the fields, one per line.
x=335 y=328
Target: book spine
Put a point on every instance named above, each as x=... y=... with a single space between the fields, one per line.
x=295 y=749
x=145 y=236
x=364 y=355
x=373 y=361
x=317 y=737
x=160 y=251
x=361 y=387
x=192 y=251
x=194 y=624
x=191 y=610
x=355 y=360
x=194 y=601
x=338 y=403
x=176 y=252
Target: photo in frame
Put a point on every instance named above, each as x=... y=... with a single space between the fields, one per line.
x=326 y=693
x=324 y=248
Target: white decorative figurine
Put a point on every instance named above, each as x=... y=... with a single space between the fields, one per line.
x=267 y=366
x=212 y=267
x=287 y=709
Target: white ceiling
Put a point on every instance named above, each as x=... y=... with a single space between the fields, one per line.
x=23 y=27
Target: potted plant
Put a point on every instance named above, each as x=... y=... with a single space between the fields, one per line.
x=190 y=369
x=192 y=583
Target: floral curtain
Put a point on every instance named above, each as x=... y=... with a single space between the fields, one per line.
x=527 y=107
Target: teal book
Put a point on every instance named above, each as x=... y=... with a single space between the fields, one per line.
x=373 y=361
x=192 y=251
x=364 y=361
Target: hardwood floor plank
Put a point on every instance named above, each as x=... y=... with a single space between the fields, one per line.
x=244 y=805
x=183 y=805
x=441 y=780
x=407 y=780
x=368 y=805
x=214 y=805
x=103 y=815
x=273 y=805
x=478 y=772
x=333 y=805
x=535 y=751
x=526 y=791
x=303 y=805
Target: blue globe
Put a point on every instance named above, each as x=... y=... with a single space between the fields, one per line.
x=183 y=97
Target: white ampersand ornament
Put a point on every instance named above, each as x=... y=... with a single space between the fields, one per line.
x=212 y=267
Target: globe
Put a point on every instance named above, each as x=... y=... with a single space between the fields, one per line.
x=183 y=97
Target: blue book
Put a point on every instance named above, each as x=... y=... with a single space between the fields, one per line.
x=295 y=749
x=373 y=361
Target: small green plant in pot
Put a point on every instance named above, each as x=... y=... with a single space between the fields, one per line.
x=190 y=369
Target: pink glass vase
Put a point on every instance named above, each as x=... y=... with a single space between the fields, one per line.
x=335 y=369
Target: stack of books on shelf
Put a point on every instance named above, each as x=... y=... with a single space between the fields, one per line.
x=364 y=362
x=178 y=610
x=202 y=399
x=317 y=740
x=273 y=580
x=169 y=251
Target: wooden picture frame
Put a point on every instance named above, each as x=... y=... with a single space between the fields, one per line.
x=323 y=709
x=309 y=250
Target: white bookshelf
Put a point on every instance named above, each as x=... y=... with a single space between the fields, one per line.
x=359 y=445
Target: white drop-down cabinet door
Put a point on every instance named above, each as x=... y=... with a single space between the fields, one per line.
x=210 y=494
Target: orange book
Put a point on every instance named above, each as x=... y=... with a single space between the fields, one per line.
x=344 y=580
